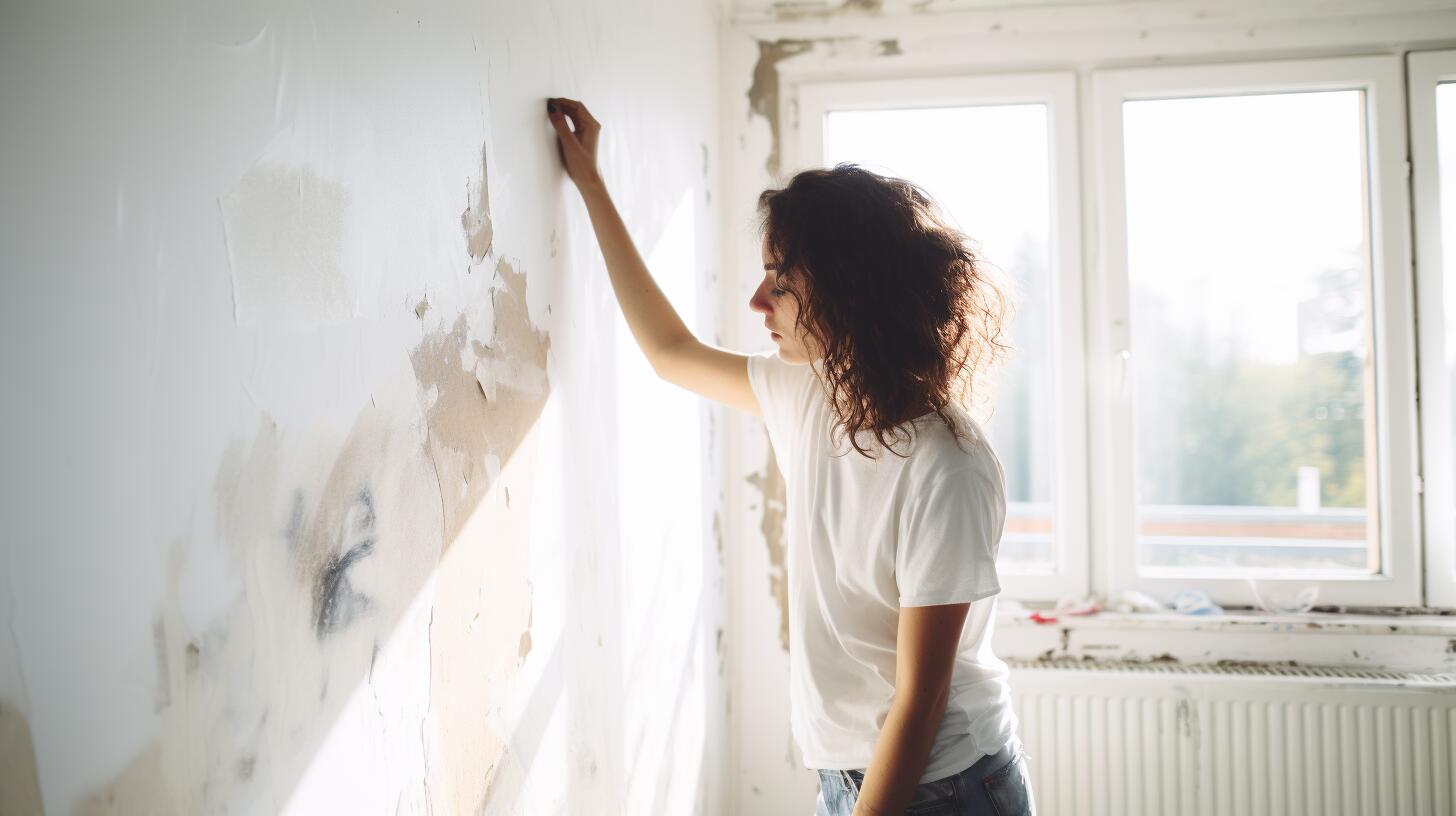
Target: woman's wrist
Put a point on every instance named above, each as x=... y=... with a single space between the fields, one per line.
x=592 y=185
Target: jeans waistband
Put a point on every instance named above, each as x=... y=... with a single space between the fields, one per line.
x=985 y=766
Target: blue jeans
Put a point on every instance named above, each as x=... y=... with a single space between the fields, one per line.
x=996 y=785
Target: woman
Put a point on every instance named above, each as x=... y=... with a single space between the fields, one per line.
x=884 y=320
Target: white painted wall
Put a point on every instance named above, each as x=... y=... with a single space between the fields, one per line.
x=332 y=482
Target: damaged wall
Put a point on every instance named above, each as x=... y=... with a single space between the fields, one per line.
x=333 y=479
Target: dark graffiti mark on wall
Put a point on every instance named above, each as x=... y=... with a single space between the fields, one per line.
x=336 y=602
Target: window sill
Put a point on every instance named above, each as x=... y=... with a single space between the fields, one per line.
x=1395 y=642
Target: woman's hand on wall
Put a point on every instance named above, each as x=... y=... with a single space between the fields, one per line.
x=576 y=143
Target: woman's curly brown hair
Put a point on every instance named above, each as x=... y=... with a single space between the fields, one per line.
x=909 y=316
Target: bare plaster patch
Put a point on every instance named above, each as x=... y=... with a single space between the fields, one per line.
x=475 y=220
x=482 y=397
x=284 y=230
x=770 y=482
x=19 y=779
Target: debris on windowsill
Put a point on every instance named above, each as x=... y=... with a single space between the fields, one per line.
x=1195 y=602
x=1071 y=605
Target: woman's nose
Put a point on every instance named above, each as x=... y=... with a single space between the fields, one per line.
x=759 y=302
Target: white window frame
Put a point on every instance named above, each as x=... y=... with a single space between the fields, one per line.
x=1435 y=279
x=1112 y=482
x=1058 y=91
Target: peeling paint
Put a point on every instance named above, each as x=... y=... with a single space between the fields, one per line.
x=795 y=10
x=481 y=398
x=770 y=482
x=763 y=94
x=475 y=220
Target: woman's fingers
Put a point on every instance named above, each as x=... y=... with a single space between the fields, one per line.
x=576 y=133
x=558 y=121
x=581 y=118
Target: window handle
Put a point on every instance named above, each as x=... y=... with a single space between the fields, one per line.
x=1123 y=356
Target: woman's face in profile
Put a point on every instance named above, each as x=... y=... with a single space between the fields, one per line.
x=774 y=299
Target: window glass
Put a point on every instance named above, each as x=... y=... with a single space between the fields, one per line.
x=1253 y=380
x=989 y=167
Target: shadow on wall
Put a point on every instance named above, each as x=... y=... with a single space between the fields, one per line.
x=389 y=564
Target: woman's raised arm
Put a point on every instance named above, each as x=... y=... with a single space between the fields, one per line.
x=675 y=354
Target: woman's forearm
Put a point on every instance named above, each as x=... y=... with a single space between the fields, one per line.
x=651 y=317
x=900 y=755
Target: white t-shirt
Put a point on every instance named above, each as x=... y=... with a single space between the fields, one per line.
x=866 y=537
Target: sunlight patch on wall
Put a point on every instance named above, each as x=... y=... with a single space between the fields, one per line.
x=661 y=541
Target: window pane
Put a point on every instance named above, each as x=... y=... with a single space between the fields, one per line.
x=1446 y=160
x=989 y=167
x=1253 y=385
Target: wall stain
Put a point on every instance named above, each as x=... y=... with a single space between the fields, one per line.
x=722 y=661
x=770 y=482
x=162 y=696
x=19 y=778
x=335 y=601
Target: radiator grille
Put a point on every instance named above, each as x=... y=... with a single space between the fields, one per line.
x=1168 y=738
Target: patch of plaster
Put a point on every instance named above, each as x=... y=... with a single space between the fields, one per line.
x=481 y=398
x=283 y=226
x=19 y=779
x=770 y=483
x=475 y=220
x=763 y=93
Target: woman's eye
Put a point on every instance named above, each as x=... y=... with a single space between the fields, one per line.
x=776 y=291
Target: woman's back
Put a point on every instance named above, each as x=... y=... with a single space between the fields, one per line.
x=866 y=537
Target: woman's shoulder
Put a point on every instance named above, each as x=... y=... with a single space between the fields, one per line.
x=965 y=453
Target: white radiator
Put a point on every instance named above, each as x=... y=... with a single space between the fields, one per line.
x=1163 y=739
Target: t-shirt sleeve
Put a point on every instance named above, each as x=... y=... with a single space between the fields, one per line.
x=949 y=537
x=780 y=388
